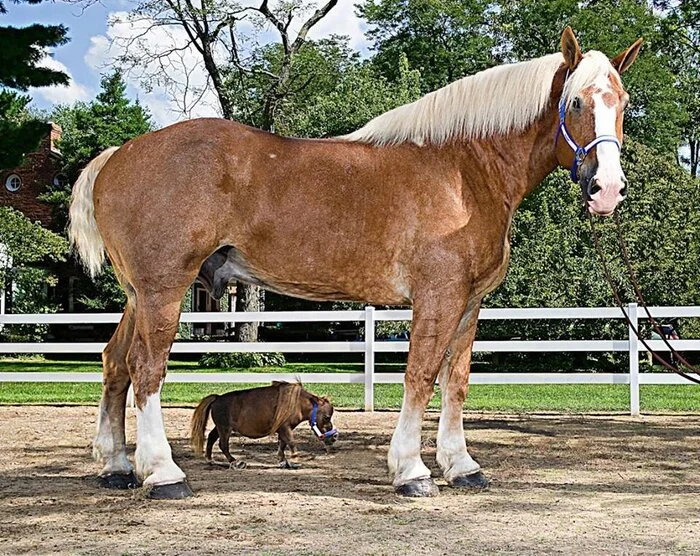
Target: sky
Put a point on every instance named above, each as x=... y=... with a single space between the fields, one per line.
x=92 y=49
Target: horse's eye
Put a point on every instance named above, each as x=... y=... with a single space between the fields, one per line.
x=576 y=104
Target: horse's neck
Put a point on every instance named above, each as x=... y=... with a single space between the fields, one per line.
x=514 y=164
x=520 y=161
x=307 y=401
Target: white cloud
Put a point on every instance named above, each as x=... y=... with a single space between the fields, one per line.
x=60 y=94
x=341 y=20
x=176 y=87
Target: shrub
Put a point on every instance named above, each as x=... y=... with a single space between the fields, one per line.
x=244 y=360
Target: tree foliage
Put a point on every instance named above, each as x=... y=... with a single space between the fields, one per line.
x=21 y=51
x=337 y=91
x=19 y=131
x=109 y=120
x=443 y=39
x=25 y=247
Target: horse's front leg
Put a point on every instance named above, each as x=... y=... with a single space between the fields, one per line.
x=459 y=469
x=436 y=317
x=286 y=440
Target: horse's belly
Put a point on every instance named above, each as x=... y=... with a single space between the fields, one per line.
x=315 y=281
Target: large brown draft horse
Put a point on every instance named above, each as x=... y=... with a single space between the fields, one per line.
x=412 y=209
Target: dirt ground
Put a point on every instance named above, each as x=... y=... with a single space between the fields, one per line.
x=559 y=485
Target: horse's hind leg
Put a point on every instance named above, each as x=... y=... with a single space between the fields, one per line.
x=109 y=446
x=156 y=321
x=211 y=439
x=224 y=437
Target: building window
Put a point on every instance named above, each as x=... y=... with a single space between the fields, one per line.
x=60 y=180
x=13 y=183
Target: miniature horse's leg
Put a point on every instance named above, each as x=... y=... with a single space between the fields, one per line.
x=459 y=469
x=109 y=446
x=213 y=437
x=286 y=439
x=156 y=322
x=436 y=317
x=224 y=437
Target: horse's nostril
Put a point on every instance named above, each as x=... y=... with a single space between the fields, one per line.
x=595 y=188
x=623 y=191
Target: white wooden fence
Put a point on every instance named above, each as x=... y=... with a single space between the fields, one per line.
x=370 y=346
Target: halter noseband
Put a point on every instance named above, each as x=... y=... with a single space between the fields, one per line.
x=580 y=153
x=314 y=426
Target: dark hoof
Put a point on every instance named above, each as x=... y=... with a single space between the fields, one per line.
x=289 y=465
x=418 y=488
x=475 y=480
x=238 y=465
x=174 y=491
x=121 y=481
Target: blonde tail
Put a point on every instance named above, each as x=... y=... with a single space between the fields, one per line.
x=82 y=228
x=199 y=423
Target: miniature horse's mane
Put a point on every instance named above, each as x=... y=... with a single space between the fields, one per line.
x=495 y=101
x=288 y=395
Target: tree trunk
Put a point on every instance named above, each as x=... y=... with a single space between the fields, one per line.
x=248 y=298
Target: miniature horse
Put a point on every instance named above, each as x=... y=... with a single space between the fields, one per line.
x=415 y=208
x=259 y=412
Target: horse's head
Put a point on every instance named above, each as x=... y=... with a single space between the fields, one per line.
x=591 y=113
x=321 y=420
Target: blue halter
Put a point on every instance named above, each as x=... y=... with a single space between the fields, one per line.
x=314 y=426
x=580 y=153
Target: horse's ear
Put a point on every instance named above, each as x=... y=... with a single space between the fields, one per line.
x=626 y=58
x=570 y=49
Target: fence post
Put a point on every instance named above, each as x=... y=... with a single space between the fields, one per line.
x=2 y=303
x=634 y=360
x=369 y=358
x=130 y=398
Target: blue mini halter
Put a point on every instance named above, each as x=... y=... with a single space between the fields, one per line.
x=314 y=426
x=580 y=153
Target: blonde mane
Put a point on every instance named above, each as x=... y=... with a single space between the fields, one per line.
x=495 y=101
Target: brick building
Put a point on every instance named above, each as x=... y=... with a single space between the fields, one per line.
x=20 y=187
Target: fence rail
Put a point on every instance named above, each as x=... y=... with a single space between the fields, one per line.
x=371 y=346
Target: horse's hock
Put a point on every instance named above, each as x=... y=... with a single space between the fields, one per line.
x=559 y=484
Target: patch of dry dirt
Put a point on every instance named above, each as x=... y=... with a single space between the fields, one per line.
x=559 y=485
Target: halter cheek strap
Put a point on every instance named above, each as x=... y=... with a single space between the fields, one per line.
x=580 y=153
x=314 y=426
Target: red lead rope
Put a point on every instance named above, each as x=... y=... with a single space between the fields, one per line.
x=642 y=302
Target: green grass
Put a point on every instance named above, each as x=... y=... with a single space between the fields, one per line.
x=558 y=398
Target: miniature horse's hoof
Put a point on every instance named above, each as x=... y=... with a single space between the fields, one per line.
x=418 y=488
x=473 y=481
x=121 y=481
x=289 y=465
x=173 y=491
x=238 y=465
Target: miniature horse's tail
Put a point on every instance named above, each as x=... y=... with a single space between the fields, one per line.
x=82 y=228
x=199 y=423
